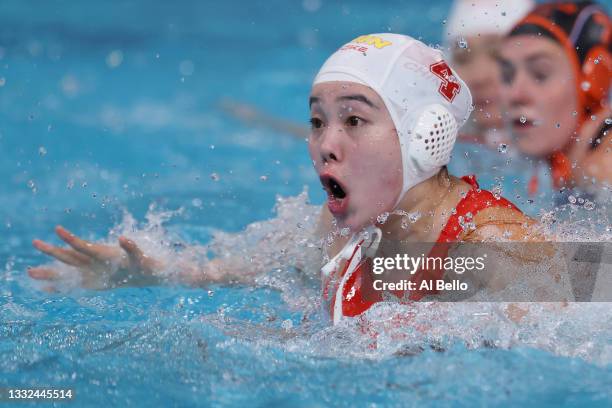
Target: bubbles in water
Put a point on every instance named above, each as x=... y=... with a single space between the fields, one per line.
x=580 y=200
x=344 y=232
x=212 y=147
x=608 y=121
x=70 y=184
x=462 y=43
x=574 y=113
x=557 y=125
x=585 y=85
x=593 y=117
x=523 y=119
x=42 y=151
x=84 y=185
x=571 y=199
x=502 y=148
x=2 y=81
x=214 y=177
x=263 y=178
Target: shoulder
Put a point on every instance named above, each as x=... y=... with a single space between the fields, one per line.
x=503 y=223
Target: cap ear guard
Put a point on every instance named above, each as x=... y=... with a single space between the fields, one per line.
x=433 y=137
x=597 y=71
x=427 y=144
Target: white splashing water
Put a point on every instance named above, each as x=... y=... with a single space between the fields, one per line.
x=284 y=253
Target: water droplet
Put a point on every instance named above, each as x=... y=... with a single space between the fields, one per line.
x=70 y=184
x=210 y=293
x=31 y=183
x=287 y=324
x=608 y=121
x=523 y=119
x=84 y=185
x=574 y=113
x=585 y=85
x=263 y=178
x=42 y=151
x=502 y=148
x=344 y=232
x=571 y=199
x=462 y=43
x=414 y=217
x=589 y=205
x=114 y=59
x=557 y=125
x=443 y=22
x=212 y=147
x=196 y=202
x=382 y=218
x=186 y=68
x=580 y=200
x=214 y=177
x=593 y=117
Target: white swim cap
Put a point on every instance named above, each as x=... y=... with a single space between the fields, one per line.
x=472 y=17
x=427 y=101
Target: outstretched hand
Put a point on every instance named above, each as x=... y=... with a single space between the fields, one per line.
x=101 y=266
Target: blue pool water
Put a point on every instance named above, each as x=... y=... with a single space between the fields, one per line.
x=110 y=108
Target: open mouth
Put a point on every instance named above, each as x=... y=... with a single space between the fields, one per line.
x=337 y=199
x=523 y=123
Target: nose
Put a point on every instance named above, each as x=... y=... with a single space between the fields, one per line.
x=331 y=145
x=519 y=90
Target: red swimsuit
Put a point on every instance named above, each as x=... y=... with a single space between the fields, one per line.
x=354 y=298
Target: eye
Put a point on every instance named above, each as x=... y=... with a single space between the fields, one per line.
x=354 y=121
x=316 y=123
x=540 y=76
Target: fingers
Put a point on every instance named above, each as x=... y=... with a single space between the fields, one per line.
x=43 y=273
x=77 y=243
x=136 y=257
x=68 y=256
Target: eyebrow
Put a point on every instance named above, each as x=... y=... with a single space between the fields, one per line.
x=540 y=55
x=356 y=97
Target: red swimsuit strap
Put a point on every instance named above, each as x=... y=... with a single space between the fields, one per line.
x=474 y=201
